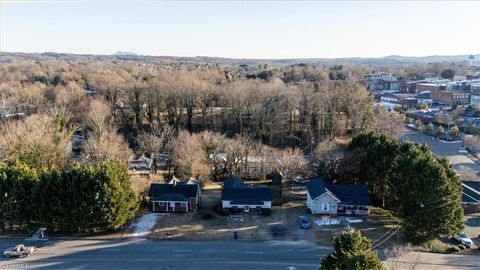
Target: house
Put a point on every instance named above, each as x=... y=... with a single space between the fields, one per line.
x=140 y=163
x=324 y=198
x=471 y=196
x=237 y=196
x=174 y=197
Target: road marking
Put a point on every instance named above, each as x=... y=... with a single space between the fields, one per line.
x=182 y=250
x=253 y=252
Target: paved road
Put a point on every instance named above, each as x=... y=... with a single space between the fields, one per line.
x=172 y=255
x=146 y=254
x=443 y=149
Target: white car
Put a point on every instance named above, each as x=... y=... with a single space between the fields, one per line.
x=463 y=239
x=19 y=251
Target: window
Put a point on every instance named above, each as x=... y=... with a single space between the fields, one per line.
x=184 y=204
x=325 y=206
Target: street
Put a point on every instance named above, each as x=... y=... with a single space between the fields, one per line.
x=450 y=150
x=146 y=254
x=171 y=255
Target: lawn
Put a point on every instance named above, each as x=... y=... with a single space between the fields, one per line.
x=281 y=225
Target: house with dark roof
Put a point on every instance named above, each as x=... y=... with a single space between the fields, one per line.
x=325 y=198
x=471 y=196
x=174 y=197
x=237 y=196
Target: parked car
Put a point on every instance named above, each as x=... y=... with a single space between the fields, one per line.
x=463 y=239
x=303 y=222
x=19 y=251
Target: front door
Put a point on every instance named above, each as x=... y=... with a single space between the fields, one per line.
x=247 y=208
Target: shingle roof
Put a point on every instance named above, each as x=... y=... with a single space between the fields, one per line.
x=233 y=182
x=162 y=191
x=170 y=197
x=247 y=195
x=347 y=194
x=470 y=192
x=316 y=187
x=351 y=194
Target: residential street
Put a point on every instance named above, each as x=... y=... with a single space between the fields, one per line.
x=170 y=255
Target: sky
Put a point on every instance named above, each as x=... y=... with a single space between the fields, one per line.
x=242 y=29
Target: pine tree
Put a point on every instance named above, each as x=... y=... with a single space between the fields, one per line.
x=352 y=251
x=425 y=193
x=378 y=150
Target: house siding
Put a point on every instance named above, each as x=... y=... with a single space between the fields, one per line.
x=170 y=206
x=229 y=205
x=317 y=205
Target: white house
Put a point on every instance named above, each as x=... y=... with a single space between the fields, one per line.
x=323 y=198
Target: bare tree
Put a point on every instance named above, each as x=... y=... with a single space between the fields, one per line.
x=108 y=145
x=401 y=257
x=99 y=117
x=40 y=140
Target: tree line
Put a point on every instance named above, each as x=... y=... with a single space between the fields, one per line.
x=78 y=198
x=421 y=189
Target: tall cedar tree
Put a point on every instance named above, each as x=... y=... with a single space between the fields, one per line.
x=351 y=251
x=84 y=198
x=17 y=184
x=378 y=150
x=425 y=193
x=117 y=201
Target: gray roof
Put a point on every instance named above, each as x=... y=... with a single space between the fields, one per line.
x=247 y=195
x=178 y=192
x=233 y=182
x=470 y=192
x=347 y=194
x=170 y=197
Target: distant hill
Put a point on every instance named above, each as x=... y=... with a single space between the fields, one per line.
x=129 y=56
x=121 y=53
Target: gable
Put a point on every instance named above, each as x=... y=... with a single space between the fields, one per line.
x=327 y=194
x=346 y=194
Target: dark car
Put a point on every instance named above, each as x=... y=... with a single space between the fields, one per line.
x=303 y=222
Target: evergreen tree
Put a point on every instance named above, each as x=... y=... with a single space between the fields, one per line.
x=117 y=202
x=84 y=198
x=17 y=186
x=378 y=150
x=352 y=251
x=425 y=193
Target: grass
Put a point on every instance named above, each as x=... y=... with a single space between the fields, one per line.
x=436 y=246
